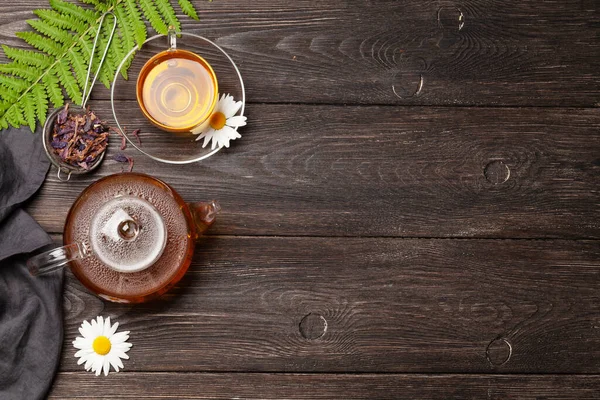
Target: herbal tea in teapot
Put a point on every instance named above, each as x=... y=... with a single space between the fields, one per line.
x=129 y=237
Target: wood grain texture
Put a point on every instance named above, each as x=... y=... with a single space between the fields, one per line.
x=389 y=305
x=331 y=386
x=384 y=171
x=445 y=52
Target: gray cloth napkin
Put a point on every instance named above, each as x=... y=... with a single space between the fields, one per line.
x=31 y=326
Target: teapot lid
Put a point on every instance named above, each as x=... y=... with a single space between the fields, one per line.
x=128 y=234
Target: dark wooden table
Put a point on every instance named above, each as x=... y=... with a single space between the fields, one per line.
x=412 y=212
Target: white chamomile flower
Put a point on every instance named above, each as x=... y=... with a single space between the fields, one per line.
x=221 y=126
x=100 y=347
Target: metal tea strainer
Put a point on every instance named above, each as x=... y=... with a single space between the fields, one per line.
x=63 y=167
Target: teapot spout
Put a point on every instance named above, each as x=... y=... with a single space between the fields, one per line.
x=204 y=215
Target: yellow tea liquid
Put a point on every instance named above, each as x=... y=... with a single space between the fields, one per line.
x=177 y=90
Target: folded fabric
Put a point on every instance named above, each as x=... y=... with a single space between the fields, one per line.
x=31 y=325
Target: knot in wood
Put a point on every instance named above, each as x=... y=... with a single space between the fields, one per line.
x=313 y=326
x=496 y=172
x=498 y=352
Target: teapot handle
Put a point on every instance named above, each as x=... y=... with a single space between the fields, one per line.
x=56 y=258
x=204 y=215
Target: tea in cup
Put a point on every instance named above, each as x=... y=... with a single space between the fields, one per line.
x=176 y=89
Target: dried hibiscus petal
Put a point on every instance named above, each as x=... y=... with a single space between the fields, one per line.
x=136 y=134
x=79 y=139
x=122 y=158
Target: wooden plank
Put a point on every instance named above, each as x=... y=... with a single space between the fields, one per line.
x=525 y=53
x=366 y=305
x=326 y=386
x=383 y=171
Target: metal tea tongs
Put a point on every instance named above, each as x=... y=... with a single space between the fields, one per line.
x=47 y=131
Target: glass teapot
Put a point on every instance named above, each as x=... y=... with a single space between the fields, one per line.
x=128 y=237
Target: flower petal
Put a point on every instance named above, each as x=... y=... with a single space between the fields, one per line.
x=84 y=353
x=97 y=366
x=113 y=329
x=202 y=127
x=106 y=366
x=83 y=359
x=236 y=121
x=116 y=363
x=232 y=108
x=107 y=327
x=120 y=337
x=124 y=347
x=89 y=362
x=121 y=354
x=86 y=329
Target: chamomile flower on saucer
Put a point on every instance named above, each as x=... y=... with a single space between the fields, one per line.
x=221 y=126
x=101 y=346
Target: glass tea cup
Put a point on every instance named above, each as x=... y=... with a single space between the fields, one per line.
x=176 y=89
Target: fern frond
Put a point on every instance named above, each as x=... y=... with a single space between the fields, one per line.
x=135 y=23
x=168 y=14
x=62 y=20
x=42 y=43
x=29 y=110
x=64 y=36
x=107 y=72
x=127 y=34
x=53 y=32
x=99 y=5
x=54 y=91
x=117 y=54
x=14 y=116
x=68 y=81
x=153 y=16
x=9 y=96
x=79 y=64
x=28 y=57
x=12 y=82
x=64 y=7
x=20 y=70
x=188 y=9
x=41 y=100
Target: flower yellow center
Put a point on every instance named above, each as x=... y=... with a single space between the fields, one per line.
x=101 y=345
x=217 y=120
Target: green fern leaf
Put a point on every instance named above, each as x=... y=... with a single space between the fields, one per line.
x=28 y=57
x=9 y=96
x=51 y=31
x=153 y=16
x=168 y=13
x=62 y=20
x=14 y=116
x=99 y=5
x=64 y=36
x=128 y=39
x=134 y=20
x=64 y=7
x=29 y=110
x=53 y=88
x=68 y=81
x=20 y=70
x=41 y=101
x=107 y=72
x=117 y=54
x=12 y=82
x=41 y=43
x=188 y=9
x=79 y=65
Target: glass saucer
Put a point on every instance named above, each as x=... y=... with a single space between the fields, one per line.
x=168 y=147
